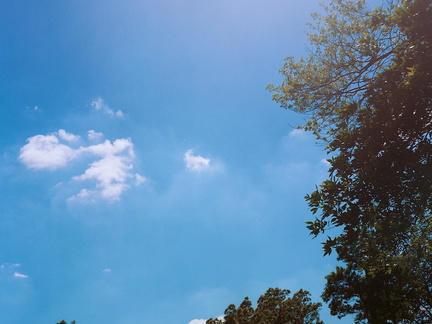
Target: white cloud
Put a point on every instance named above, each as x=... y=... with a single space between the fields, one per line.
x=203 y=321
x=46 y=152
x=297 y=132
x=99 y=104
x=84 y=194
x=35 y=109
x=198 y=321
x=107 y=270
x=10 y=265
x=195 y=162
x=111 y=170
x=67 y=136
x=20 y=275
x=110 y=174
x=94 y=136
x=107 y=148
x=139 y=179
x=10 y=269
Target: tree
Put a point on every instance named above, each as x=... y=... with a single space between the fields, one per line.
x=377 y=122
x=349 y=47
x=274 y=307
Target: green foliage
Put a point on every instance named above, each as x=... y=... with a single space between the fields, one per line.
x=371 y=101
x=349 y=46
x=274 y=307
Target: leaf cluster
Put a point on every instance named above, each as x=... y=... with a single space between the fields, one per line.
x=349 y=46
x=274 y=307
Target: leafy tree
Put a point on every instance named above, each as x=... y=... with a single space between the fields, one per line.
x=370 y=95
x=349 y=47
x=274 y=307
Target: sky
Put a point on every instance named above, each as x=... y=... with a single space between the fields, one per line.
x=146 y=176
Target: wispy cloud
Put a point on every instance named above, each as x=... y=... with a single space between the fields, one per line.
x=139 y=179
x=195 y=163
x=111 y=169
x=10 y=265
x=326 y=163
x=10 y=269
x=203 y=321
x=94 y=136
x=99 y=104
x=198 y=321
x=33 y=109
x=297 y=132
x=20 y=275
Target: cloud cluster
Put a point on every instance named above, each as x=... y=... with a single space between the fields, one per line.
x=195 y=163
x=111 y=168
x=11 y=267
x=99 y=104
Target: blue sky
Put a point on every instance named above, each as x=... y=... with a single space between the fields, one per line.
x=146 y=176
